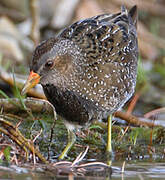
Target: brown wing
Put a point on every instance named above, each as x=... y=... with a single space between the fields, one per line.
x=109 y=46
x=105 y=36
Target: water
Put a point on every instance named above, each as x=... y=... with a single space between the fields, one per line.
x=136 y=170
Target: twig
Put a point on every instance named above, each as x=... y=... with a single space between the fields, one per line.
x=154 y=112
x=80 y=157
x=35 y=105
x=69 y=167
x=10 y=130
x=133 y=103
x=35 y=33
x=126 y=129
x=51 y=138
x=134 y=120
x=123 y=167
x=37 y=135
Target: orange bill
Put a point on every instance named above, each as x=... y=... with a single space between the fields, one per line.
x=32 y=80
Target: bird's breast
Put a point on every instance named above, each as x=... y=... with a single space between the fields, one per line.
x=69 y=105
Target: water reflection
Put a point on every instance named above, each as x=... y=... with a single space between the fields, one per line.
x=132 y=171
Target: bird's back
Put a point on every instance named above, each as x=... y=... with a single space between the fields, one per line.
x=108 y=43
x=107 y=66
x=104 y=34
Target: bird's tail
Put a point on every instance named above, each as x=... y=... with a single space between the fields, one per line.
x=134 y=15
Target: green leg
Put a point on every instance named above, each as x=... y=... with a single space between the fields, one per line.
x=71 y=141
x=109 y=128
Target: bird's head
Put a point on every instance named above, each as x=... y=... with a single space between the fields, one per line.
x=53 y=62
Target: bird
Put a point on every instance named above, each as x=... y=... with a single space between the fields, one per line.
x=88 y=71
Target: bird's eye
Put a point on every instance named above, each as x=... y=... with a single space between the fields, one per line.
x=49 y=64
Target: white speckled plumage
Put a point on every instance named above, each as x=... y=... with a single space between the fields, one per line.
x=95 y=66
